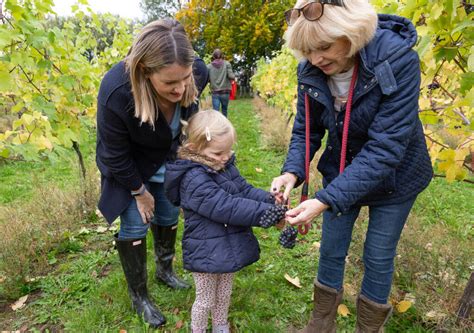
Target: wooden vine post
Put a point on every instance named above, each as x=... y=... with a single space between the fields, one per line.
x=466 y=303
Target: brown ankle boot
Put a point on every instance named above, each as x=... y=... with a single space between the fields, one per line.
x=323 y=317
x=371 y=316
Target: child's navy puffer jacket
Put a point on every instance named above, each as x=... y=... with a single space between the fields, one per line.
x=220 y=208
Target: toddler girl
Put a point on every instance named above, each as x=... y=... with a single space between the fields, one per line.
x=220 y=208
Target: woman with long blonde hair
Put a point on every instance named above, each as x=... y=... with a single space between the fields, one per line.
x=141 y=103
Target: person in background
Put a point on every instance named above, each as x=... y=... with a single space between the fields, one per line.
x=141 y=103
x=220 y=76
x=359 y=80
x=220 y=208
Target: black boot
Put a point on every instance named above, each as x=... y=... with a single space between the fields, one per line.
x=132 y=255
x=164 y=241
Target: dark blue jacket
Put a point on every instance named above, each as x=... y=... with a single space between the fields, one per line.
x=129 y=153
x=220 y=208
x=387 y=159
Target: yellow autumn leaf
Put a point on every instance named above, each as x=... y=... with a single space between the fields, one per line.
x=259 y=170
x=461 y=155
x=451 y=173
x=403 y=306
x=343 y=310
x=44 y=143
x=294 y=281
x=424 y=104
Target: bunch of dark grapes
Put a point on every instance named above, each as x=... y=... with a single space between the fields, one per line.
x=272 y=216
x=288 y=237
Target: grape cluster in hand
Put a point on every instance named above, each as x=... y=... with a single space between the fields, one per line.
x=288 y=237
x=272 y=216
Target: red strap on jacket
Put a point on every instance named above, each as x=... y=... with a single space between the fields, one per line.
x=303 y=229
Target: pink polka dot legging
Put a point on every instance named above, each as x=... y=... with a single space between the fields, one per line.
x=212 y=295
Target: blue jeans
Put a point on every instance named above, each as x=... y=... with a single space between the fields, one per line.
x=220 y=99
x=131 y=223
x=385 y=226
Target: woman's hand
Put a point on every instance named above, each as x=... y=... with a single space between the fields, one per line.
x=146 y=206
x=287 y=180
x=305 y=212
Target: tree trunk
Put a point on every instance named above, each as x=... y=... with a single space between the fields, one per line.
x=82 y=167
x=467 y=300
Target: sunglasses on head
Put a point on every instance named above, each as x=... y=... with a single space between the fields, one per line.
x=312 y=11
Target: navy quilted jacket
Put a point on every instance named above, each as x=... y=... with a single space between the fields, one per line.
x=387 y=159
x=220 y=208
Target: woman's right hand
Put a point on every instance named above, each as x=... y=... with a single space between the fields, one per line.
x=286 y=180
x=146 y=206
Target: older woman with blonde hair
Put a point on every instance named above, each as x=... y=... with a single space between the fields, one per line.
x=359 y=82
x=141 y=103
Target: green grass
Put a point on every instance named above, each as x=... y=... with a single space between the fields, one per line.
x=20 y=178
x=450 y=205
x=87 y=290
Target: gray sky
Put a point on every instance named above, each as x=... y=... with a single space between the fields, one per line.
x=125 y=8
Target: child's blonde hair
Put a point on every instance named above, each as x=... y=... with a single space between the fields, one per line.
x=204 y=127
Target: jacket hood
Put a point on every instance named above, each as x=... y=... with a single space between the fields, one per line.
x=187 y=160
x=394 y=36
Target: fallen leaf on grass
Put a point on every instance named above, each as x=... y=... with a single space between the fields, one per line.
x=343 y=310
x=20 y=303
x=101 y=230
x=435 y=315
x=403 y=306
x=179 y=324
x=411 y=298
x=316 y=246
x=175 y=311
x=259 y=170
x=123 y=331
x=348 y=288
x=294 y=281
x=98 y=213
x=113 y=227
x=84 y=231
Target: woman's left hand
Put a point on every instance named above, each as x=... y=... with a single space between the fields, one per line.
x=305 y=212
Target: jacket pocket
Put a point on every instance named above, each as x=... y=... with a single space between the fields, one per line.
x=388 y=185
x=390 y=182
